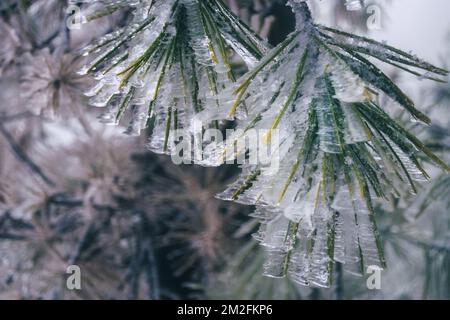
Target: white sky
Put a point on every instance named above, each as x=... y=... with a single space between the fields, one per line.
x=419 y=26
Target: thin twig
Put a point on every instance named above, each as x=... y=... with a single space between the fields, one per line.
x=22 y=156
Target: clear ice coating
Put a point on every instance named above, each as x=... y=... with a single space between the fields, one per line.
x=338 y=149
x=353 y=5
x=171 y=63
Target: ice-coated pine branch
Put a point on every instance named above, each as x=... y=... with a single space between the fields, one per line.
x=170 y=63
x=338 y=148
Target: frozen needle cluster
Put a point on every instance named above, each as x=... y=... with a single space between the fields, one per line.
x=170 y=63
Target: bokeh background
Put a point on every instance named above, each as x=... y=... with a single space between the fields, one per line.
x=75 y=192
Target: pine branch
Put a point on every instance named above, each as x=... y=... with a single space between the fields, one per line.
x=23 y=157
